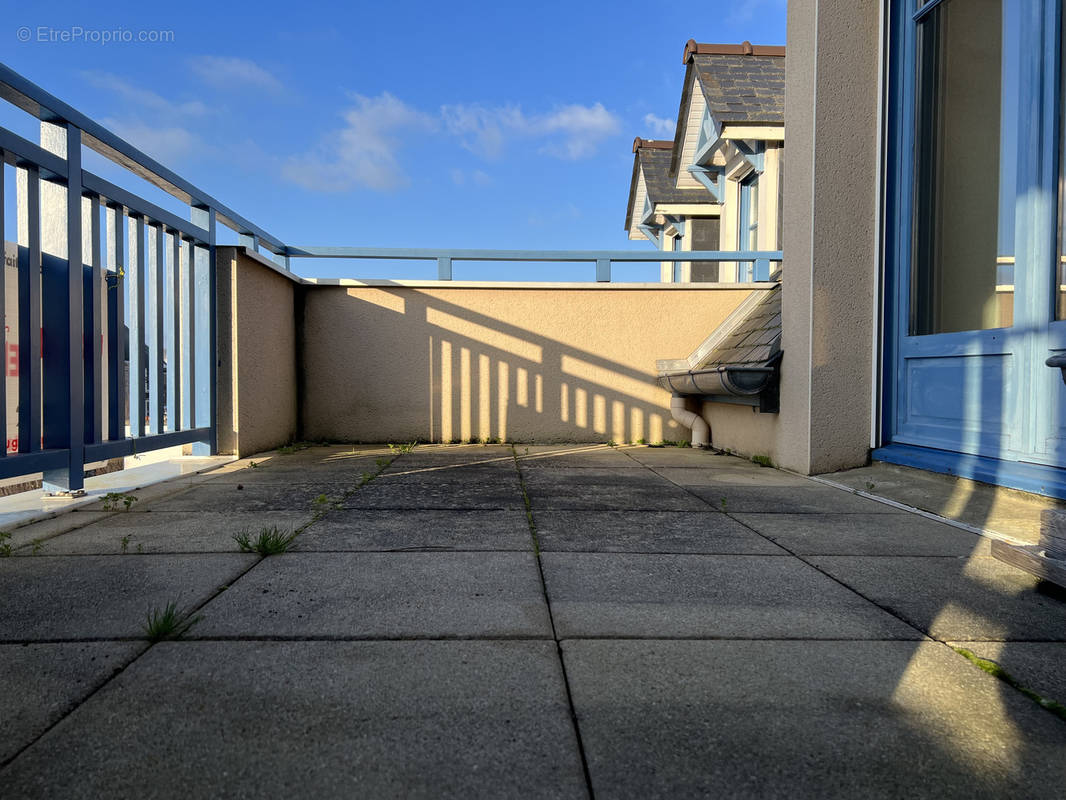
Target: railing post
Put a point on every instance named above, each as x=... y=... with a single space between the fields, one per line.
x=116 y=325
x=63 y=288
x=603 y=270
x=249 y=240
x=444 y=269
x=762 y=269
x=205 y=218
x=29 y=254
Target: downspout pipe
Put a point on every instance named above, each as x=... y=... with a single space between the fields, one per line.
x=701 y=431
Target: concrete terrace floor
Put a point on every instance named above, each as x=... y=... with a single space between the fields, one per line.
x=477 y=621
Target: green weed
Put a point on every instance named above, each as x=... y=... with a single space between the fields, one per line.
x=997 y=671
x=168 y=623
x=268 y=542
x=762 y=461
x=112 y=500
x=5 y=544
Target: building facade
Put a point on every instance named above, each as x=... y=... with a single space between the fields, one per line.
x=717 y=185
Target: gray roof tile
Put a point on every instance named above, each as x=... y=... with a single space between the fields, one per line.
x=743 y=88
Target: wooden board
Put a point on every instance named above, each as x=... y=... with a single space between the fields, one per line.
x=1031 y=558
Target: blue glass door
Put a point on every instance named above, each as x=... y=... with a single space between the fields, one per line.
x=972 y=262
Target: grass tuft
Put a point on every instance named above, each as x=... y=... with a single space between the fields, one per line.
x=762 y=461
x=5 y=545
x=997 y=671
x=268 y=542
x=168 y=623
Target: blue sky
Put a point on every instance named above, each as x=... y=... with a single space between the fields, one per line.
x=400 y=124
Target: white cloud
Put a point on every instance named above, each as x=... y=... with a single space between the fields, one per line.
x=477 y=177
x=571 y=132
x=229 y=72
x=363 y=153
x=143 y=99
x=166 y=144
x=660 y=126
x=157 y=125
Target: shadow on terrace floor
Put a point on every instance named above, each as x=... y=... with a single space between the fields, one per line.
x=534 y=621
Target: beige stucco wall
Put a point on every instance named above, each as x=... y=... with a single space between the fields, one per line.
x=257 y=387
x=446 y=363
x=831 y=180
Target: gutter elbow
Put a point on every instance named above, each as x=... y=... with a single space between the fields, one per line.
x=701 y=431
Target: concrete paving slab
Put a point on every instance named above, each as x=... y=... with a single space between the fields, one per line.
x=103 y=597
x=383 y=595
x=607 y=498
x=753 y=476
x=976 y=598
x=809 y=499
x=594 y=476
x=45 y=681
x=370 y=530
x=613 y=595
x=573 y=456
x=647 y=532
x=994 y=508
x=438 y=493
x=445 y=455
x=491 y=474
x=252 y=498
x=317 y=719
x=45 y=529
x=681 y=457
x=866 y=534
x=806 y=719
x=349 y=472
x=606 y=489
x=1036 y=665
x=170 y=532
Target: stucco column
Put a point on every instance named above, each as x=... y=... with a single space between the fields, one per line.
x=830 y=237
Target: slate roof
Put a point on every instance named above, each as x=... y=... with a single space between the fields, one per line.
x=743 y=88
x=654 y=157
x=755 y=339
x=661 y=187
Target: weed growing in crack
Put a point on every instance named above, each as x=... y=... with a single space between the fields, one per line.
x=268 y=542
x=5 y=544
x=170 y=622
x=997 y=671
x=112 y=500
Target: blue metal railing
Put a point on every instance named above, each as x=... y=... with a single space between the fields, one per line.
x=145 y=295
x=758 y=262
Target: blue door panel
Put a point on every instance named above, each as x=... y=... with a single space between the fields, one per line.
x=958 y=403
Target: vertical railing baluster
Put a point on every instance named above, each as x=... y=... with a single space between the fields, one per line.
x=212 y=333
x=188 y=350
x=173 y=342
x=29 y=257
x=444 y=269
x=207 y=401
x=117 y=393
x=94 y=329
x=603 y=270
x=135 y=281
x=154 y=326
x=75 y=306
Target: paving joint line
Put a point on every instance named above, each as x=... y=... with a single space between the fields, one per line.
x=555 y=634
x=925 y=634
x=188 y=612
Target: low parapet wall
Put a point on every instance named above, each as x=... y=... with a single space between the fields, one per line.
x=457 y=361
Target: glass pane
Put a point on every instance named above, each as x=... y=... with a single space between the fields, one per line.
x=966 y=166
